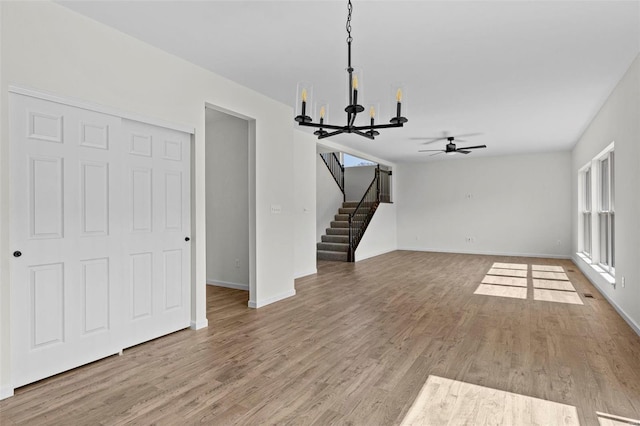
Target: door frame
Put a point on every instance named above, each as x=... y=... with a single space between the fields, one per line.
x=251 y=122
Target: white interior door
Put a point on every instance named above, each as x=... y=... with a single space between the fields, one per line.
x=63 y=193
x=99 y=216
x=157 y=265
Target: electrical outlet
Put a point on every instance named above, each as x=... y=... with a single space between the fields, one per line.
x=238 y=263
x=623 y=282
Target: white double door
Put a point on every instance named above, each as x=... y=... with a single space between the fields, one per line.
x=100 y=210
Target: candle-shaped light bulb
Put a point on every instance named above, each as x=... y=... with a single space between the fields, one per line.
x=304 y=102
x=399 y=99
x=322 y=112
x=372 y=112
x=355 y=90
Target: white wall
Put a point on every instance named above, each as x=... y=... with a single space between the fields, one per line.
x=47 y=47
x=380 y=236
x=513 y=205
x=618 y=121
x=227 y=188
x=357 y=180
x=304 y=208
x=328 y=196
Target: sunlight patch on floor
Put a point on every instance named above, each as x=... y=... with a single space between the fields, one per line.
x=550 y=275
x=553 y=285
x=502 y=291
x=547 y=268
x=512 y=281
x=508 y=272
x=550 y=283
x=556 y=296
x=510 y=265
x=444 y=401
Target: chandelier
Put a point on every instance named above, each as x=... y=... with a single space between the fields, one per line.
x=353 y=109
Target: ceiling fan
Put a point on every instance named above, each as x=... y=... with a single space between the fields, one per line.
x=451 y=147
x=445 y=136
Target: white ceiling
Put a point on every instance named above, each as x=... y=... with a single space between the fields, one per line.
x=528 y=76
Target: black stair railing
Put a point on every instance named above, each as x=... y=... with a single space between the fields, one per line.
x=384 y=185
x=379 y=190
x=336 y=169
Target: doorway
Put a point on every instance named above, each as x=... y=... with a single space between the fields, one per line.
x=230 y=200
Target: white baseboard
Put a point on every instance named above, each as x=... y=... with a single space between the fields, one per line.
x=488 y=253
x=6 y=392
x=264 y=302
x=587 y=271
x=197 y=325
x=305 y=274
x=228 y=284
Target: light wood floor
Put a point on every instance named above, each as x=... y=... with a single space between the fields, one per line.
x=355 y=346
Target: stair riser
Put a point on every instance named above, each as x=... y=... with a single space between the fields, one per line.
x=342 y=210
x=344 y=239
x=338 y=231
x=345 y=217
x=348 y=204
x=333 y=247
x=340 y=224
x=331 y=255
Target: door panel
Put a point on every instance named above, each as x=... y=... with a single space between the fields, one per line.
x=46 y=298
x=96 y=287
x=45 y=197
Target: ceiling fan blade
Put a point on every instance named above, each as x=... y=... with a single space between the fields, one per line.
x=433 y=140
x=441 y=152
x=429 y=150
x=474 y=147
x=462 y=151
x=467 y=135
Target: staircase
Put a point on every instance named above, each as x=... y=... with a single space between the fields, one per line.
x=342 y=238
x=335 y=243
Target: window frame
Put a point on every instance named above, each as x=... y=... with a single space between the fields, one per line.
x=585 y=219
x=606 y=211
x=596 y=213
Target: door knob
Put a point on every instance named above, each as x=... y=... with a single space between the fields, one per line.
x=17 y=253
x=187 y=238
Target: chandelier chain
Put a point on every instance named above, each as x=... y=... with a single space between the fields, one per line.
x=350 y=9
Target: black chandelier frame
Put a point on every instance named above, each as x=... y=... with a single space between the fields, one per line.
x=353 y=109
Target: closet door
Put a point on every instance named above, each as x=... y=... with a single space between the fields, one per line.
x=65 y=235
x=100 y=209
x=157 y=226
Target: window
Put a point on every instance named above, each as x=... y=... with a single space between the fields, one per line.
x=606 y=215
x=586 y=212
x=596 y=213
